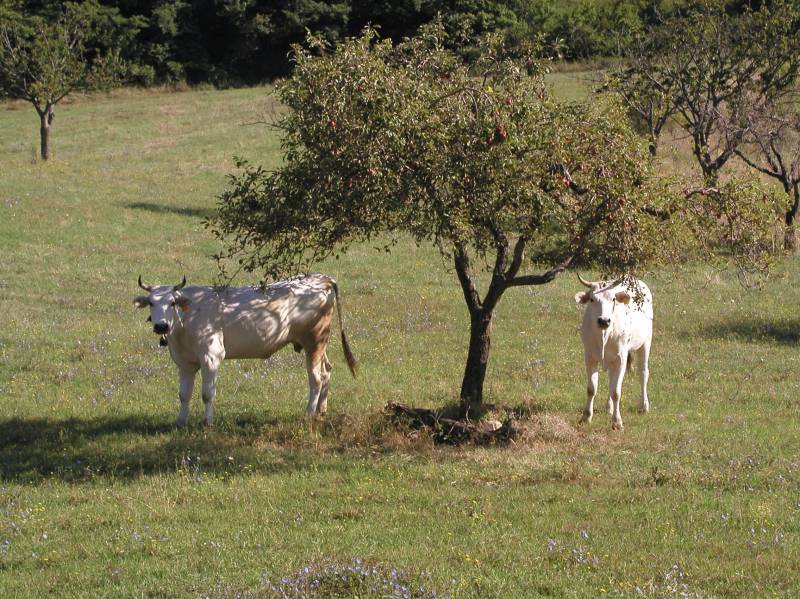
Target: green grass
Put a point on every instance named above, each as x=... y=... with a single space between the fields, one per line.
x=573 y=85
x=101 y=497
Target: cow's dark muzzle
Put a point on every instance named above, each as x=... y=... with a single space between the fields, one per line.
x=603 y=323
x=161 y=328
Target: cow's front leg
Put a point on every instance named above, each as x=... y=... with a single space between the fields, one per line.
x=592 y=378
x=209 y=372
x=616 y=373
x=185 y=393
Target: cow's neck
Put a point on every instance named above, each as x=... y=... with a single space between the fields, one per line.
x=176 y=334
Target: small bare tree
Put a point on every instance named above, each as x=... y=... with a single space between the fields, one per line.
x=772 y=147
x=44 y=62
x=707 y=67
x=649 y=98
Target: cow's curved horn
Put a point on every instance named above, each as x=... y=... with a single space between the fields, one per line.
x=143 y=286
x=584 y=281
x=181 y=286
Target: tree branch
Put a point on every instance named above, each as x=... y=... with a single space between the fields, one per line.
x=543 y=278
x=516 y=261
x=576 y=188
x=657 y=212
x=464 y=271
x=755 y=165
x=499 y=282
x=703 y=191
x=501 y=243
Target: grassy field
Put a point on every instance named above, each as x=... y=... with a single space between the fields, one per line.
x=101 y=497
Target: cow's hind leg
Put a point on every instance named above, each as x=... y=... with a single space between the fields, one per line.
x=314 y=367
x=592 y=378
x=209 y=371
x=325 y=376
x=643 y=356
x=186 y=387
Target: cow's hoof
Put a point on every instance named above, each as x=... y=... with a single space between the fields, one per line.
x=617 y=426
x=585 y=419
x=180 y=424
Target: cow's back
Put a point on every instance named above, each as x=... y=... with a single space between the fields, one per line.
x=258 y=321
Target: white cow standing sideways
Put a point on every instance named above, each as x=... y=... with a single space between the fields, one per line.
x=205 y=325
x=617 y=327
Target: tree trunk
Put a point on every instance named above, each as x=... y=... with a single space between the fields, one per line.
x=477 y=358
x=44 y=131
x=790 y=239
x=653 y=145
x=710 y=174
x=790 y=234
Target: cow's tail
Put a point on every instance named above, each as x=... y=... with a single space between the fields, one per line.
x=629 y=365
x=352 y=364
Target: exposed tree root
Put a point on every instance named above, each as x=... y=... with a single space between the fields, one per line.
x=455 y=431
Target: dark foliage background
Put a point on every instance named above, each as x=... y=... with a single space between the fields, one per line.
x=240 y=42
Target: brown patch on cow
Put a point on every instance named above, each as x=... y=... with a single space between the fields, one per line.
x=316 y=342
x=183 y=303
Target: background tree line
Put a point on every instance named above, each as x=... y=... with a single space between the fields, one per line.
x=239 y=42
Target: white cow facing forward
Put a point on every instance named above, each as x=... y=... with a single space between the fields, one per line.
x=617 y=331
x=205 y=325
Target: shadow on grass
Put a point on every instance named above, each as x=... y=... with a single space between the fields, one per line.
x=78 y=450
x=756 y=330
x=179 y=210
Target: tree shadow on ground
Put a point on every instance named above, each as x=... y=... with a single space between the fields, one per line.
x=781 y=331
x=179 y=210
x=79 y=450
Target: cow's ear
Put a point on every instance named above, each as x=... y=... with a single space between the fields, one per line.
x=140 y=301
x=183 y=302
x=581 y=297
x=623 y=297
